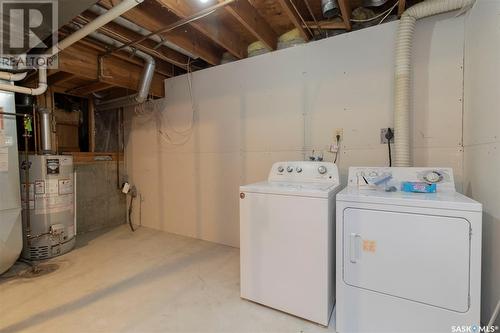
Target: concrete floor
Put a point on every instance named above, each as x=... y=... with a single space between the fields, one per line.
x=147 y=281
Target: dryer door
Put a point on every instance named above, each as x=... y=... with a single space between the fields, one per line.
x=421 y=258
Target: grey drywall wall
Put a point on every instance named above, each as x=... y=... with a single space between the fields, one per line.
x=482 y=137
x=280 y=106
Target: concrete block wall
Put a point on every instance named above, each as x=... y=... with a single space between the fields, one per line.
x=99 y=203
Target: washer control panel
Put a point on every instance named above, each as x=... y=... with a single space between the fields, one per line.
x=376 y=177
x=304 y=171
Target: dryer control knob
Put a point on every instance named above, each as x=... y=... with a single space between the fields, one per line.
x=299 y=169
x=433 y=177
x=280 y=169
x=322 y=169
x=289 y=169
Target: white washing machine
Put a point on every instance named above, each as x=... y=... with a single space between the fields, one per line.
x=406 y=262
x=287 y=239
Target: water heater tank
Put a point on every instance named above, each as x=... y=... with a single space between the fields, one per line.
x=51 y=229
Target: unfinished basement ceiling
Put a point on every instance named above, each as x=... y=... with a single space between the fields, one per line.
x=217 y=36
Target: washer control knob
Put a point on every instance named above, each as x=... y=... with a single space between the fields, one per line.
x=298 y=169
x=280 y=169
x=322 y=169
x=289 y=169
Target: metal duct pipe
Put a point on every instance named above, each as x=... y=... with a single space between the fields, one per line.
x=404 y=43
x=110 y=15
x=144 y=83
x=45 y=131
x=96 y=9
x=330 y=8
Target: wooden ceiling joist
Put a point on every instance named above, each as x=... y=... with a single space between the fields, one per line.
x=151 y=18
x=59 y=78
x=295 y=18
x=327 y=25
x=161 y=67
x=89 y=88
x=401 y=7
x=125 y=35
x=83 y=61
x=345 y=10
x=219 y=33
x=250 y=18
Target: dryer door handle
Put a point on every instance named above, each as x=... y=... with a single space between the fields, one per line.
x=354 y=247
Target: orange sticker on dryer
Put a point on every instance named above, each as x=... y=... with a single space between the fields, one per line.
x=369 y=245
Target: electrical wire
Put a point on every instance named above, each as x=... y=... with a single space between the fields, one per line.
x=186 y=133
x=166 y=130
x=390 y=153
x=321 y=31
x=130 y=213
x=386 y=13
x=301 y=18
x=389 y=135
x=338 y=148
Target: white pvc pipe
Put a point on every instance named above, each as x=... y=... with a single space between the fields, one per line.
x=110 y=15
x=42 y=85
x=13 y=76
x=404 y=43
x=92 y=26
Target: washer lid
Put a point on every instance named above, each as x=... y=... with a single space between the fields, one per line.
x=440 y=200
x=317 y=190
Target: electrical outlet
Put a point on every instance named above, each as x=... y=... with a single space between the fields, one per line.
x=339 y=132
x=383 y=139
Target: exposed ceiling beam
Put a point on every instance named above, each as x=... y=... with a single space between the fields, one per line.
x=87 y=89
x=219 y=33
x=294 y=17
x=82 y=61
x=345 y=10
x=161 y=67
x=125 y=35
x=250 y=18
x=327 y=25
x=401 y=7
x=59 y=78
x=150 y=16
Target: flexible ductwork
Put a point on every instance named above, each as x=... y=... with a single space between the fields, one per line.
x=330 y=8
x=404 y=43
x=110 y=15
x=144 y=83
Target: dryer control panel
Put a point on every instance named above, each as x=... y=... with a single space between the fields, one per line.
x=304 y=171
x=392 y=178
